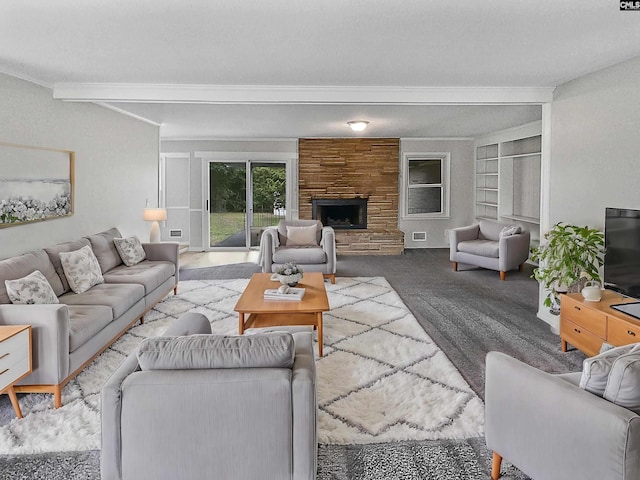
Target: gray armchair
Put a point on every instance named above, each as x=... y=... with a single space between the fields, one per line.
x=551 y=429
x=493 y=245
x=318 y=255
x=210 y=406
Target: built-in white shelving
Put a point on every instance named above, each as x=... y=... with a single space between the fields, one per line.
x=507 y=177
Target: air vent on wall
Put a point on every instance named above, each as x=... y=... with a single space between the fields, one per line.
x=175 y=233
x=419 y=236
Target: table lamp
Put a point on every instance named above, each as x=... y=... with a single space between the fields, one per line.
x=155 y=215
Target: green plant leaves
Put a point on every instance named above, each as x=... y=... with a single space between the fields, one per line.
x=567 y=254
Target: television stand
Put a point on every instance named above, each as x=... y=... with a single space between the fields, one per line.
x=587 y=325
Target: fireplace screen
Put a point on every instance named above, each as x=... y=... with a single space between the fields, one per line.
x=343 y=213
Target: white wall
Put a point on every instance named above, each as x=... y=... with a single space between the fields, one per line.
x=594 y=149
x=595 y=145
x=116 y=165
x=462 y=201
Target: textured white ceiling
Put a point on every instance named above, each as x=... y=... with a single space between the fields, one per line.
x=434 y=43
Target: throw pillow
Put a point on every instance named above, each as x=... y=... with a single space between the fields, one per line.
x=595 y=370
x=266 y=350
x=130 y=250
x=510 y=230
x=623 y=386
x=302 y=236
x=30 y=290
x=81 y=268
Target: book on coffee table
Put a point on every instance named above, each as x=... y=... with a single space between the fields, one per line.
x=292 y=294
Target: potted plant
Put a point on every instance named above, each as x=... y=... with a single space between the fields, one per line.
x=568 y=256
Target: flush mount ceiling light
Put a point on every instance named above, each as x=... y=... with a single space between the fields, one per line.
x=358 y=125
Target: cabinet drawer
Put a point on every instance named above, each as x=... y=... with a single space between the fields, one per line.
x=620 y=332
x=10 y=374
x=592 y=320
x=14 y=349
x=580 y=338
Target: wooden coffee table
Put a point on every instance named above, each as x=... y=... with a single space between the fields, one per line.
x=272 y=313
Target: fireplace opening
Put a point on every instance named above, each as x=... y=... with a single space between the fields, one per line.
x=342 y=213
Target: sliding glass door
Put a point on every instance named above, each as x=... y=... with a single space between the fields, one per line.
x=244 y=198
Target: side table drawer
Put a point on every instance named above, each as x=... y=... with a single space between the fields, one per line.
x=580 y=338
x=14 y=358
x=620 y=332
x=591 y=320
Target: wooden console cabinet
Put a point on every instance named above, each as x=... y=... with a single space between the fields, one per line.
x=586 y=325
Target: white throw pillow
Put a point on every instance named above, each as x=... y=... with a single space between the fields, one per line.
x=595 y=370
x=130 y=250
x=510 y=230
x=302 y=236
x=30 y=290
x=81 y=268
x=623 y=386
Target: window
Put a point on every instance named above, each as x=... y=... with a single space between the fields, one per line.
x=426 y=185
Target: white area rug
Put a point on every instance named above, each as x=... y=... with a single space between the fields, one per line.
x=381 y=379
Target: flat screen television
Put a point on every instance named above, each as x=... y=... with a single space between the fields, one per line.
x=622 y=255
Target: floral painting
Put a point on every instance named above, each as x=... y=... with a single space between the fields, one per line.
x=36 y=184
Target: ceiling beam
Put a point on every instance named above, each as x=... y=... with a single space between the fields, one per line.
x=292 y=94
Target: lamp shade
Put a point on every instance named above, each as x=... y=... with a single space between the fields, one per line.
x=155 y=214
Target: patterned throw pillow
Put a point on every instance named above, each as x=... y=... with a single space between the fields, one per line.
x=29 y=290
x=130 y=250
x=81 y=269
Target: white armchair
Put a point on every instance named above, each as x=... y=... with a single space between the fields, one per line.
x=303 y=242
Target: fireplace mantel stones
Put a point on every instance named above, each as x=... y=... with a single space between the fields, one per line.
x=343 y=168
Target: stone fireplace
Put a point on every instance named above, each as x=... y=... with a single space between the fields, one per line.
x=349 y=169
x=341 y=213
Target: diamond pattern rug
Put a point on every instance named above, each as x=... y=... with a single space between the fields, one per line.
x=381 y=379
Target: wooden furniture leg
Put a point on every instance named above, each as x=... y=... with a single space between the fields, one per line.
x=330 y=276
x=175 y=290
x=57 y=396
x=563 y=345
x=14 y=401
x=503 y=275
x=495 y=466
x=521 y=267
x=240 y=323
x=455 y=266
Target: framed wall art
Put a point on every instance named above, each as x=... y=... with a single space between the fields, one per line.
x=36 y=184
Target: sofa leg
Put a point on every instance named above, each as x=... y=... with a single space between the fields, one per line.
x=495 y=466
x=455 y=266
x=175 y=290
x=521 y=267
x=503 y=275
x=57 y=396
x=330 y=276
x=142 y=320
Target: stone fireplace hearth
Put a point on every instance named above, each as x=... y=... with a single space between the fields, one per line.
x=345 y=169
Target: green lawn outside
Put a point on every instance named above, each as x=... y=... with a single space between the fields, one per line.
x=223 y=225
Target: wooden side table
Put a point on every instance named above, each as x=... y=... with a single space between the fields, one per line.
x=15 y=359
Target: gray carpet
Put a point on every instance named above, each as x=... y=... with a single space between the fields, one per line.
x=467 y=313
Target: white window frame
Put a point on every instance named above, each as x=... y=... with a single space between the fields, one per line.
x=445 y=175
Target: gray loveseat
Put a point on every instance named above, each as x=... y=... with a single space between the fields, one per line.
x=70 y=334
x=207 y=406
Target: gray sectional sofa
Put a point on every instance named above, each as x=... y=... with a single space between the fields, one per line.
x=68 y=335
